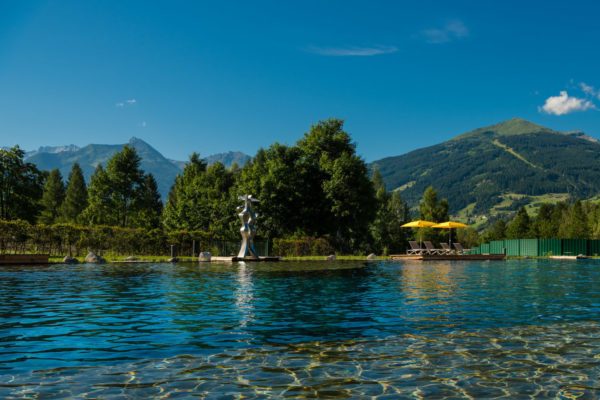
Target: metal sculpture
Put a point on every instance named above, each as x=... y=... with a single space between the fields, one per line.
x=248 y=229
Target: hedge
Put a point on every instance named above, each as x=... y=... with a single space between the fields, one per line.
x=56 y=240
x=305 y=246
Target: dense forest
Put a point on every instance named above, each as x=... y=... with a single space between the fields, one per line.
x=317 y=188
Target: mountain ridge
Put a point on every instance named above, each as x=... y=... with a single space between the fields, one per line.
x=91 y=155
x=485 y=169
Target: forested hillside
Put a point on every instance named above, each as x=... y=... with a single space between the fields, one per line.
x=499 y=168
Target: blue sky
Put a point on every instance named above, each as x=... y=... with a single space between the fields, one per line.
x=218 y=76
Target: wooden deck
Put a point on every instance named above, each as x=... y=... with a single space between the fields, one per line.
x=449 y=257
x=18 y=259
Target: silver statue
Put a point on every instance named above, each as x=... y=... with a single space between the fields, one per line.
x=248 y=229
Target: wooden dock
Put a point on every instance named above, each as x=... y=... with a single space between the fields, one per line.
x=17 y=259
x=448 y=257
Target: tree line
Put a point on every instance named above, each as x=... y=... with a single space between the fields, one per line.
x=317 y=188
x=575 y=220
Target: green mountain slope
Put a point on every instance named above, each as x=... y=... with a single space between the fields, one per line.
x=163 y=169
x=499 y=168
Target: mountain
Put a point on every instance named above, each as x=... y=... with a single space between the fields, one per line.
x=52 y=150
x=496 y=169
x=229 y=158
x=88 y=157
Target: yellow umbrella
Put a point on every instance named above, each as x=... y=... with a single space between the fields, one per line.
x=419 y=224
x=449 y=225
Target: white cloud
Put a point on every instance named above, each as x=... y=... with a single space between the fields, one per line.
x=352 y=51
x=565 y=104
x=589 y=90
x=128 y=103
x=452 y=30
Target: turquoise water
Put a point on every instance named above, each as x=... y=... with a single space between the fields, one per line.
x=346 y=330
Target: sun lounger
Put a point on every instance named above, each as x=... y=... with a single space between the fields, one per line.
x=446 y=248
x=430 y=249
x=415 y=248
x=460 y=249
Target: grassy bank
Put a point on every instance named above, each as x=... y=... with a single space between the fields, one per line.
x=162 y=259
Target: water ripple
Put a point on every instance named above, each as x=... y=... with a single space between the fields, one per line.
x=384 y=330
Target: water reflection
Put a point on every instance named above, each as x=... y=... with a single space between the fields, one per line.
x=444 y=329
x=244 y=295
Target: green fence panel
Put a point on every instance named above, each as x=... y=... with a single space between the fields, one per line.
x=593 y=248
x=573 y=247
x=549 y=247
x=475 y=250
x=497 y=247
x=485 y=248
x=513 y=247
x=528 y=247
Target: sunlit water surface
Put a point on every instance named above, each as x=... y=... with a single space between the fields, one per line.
x=514 y=329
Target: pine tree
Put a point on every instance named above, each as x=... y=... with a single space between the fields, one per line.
x=21 y=186
x=495 y=232
x=546 y=226
x=520 y=226
x=126 y=181
x=52 y=198
x=574 y=223
x=149 y=205
x=76 y=196
x=434 y=210
x=100 y=210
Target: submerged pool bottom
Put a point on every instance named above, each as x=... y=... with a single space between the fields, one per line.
x=514 y=329
x=558 y=360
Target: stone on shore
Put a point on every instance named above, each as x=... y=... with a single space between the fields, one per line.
x=331 y=257
x=372 y=256
x=94 y=259
x=70 y=260
x=205 y=256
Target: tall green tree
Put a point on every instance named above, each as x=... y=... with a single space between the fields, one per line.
x=318 y=187
x=202 y=198
x=76 y=196
x=21 y=186
x=520 y=226
x=274 y=178
x=574 y=223
x=127 y=184
x=149 y=205
x=497 y=231
x=52 y=198
x=338 y=195
x=118 y=194
x=99 y=210
x=546 y=222
x=392 y=212
x=431 y=208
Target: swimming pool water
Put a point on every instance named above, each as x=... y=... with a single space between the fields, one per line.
x=306 y=329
